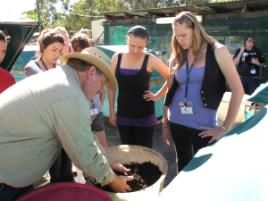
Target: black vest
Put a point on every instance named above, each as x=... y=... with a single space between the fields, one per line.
x=213 y=85
x=130 y=101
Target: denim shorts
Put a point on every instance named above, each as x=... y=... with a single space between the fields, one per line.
x=98 y=123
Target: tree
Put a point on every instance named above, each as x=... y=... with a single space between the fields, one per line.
x=100 y=7
x=79 y=16
x=84 y=11
x=51 y=13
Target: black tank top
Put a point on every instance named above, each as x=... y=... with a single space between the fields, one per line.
x=130 y=102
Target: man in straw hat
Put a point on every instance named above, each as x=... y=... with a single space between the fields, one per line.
x=44 y=113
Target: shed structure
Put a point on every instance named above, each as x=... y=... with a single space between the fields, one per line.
x=230 y=22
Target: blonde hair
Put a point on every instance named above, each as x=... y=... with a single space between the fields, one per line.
x=200 y=36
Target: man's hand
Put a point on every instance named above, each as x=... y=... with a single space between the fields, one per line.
x=118 y=167
x=119 y=184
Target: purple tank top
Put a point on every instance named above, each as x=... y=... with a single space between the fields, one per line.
x=202 y=117
x=139 y=122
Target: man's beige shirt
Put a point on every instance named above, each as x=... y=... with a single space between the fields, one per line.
x=40 y=115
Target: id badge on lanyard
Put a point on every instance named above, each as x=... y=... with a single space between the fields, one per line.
x=186 y=107
x=93 y=109
x=253 y=70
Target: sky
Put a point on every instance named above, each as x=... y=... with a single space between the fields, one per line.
x=15 y=8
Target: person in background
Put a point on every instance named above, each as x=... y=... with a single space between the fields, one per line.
x=67 y=46
x=50 y=49
x=48 y=112
x=6 y=78
x=249 y=61
x=135 y=118
x=201 y=67
x=80 y=41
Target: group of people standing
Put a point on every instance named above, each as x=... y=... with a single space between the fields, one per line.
x=47 y=122
x=199 y=70
x=49 y=117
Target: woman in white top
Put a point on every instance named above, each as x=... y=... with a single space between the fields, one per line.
x=51 y=45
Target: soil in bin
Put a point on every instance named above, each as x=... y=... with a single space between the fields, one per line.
x=145 y=175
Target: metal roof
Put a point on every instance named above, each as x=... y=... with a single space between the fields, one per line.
x=243 y=6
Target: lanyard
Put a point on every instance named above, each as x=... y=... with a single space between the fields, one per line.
x=188 y=72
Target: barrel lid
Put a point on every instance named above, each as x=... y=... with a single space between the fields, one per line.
x=67 y=191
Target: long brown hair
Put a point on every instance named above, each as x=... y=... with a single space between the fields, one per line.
x=200 y=36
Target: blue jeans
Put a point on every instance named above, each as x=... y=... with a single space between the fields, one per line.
x=8 y=193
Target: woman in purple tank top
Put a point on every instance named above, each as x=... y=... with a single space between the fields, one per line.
x=135 y=116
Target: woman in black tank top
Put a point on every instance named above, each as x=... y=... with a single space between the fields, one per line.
x=135 y=115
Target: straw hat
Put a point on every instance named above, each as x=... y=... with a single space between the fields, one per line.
x=99 y=59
